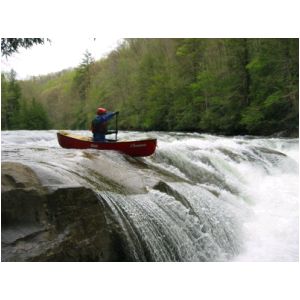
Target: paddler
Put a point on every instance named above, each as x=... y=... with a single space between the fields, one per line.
x=99 y=124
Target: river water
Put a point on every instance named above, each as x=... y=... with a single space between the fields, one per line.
x=198 y=198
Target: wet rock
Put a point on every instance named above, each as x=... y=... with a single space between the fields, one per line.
x=289 y=133
x=167 y=189
x=15 y=175
x=123 y=178
x=47 y=224
x=268 y=151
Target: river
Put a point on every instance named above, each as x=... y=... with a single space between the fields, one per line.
x=198 y=198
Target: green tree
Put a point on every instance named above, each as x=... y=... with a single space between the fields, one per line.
x=34 y=116
x=274 y=92
x=16 y=112
x=81 y=85
x=82 y=79
x=11 y=45
x=10 y=96
x=4 y=103
x=223 y=86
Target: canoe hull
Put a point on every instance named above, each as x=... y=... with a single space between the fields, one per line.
x=132 y=148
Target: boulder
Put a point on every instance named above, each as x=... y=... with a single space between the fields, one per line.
x=67 y=223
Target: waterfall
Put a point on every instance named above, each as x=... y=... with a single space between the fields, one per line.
x=198 y=198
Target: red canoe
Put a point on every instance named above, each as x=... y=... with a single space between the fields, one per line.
x=132 y=148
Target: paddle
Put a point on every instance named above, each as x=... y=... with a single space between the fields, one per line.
x=115 y=131
x=117 y=113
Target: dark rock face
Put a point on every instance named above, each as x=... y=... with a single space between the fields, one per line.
x=46 y=224
x=292 y=133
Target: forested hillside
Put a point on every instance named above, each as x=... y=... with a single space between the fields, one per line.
x=223 y=86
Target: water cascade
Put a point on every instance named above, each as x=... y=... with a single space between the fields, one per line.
x=198 y=198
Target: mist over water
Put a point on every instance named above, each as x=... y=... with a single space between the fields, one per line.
x=198 y=198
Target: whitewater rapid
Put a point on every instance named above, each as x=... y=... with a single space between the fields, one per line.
x=207 y=198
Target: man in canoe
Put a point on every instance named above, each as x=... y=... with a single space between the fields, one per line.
x=99 y=124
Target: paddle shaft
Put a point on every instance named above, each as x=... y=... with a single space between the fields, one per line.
x=116 y=129
x=117 y=126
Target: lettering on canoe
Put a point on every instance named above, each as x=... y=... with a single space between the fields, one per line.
x=94 y=146
x=137 y=145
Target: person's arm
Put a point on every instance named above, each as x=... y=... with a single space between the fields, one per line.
x=108 y=116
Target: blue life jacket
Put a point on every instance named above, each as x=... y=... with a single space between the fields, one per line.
x=99 y=126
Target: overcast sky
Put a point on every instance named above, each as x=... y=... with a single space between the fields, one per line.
x=60 y=54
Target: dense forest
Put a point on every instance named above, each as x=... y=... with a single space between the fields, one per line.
x=222 y=86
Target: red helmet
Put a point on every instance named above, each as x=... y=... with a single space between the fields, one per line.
x=101 y=111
